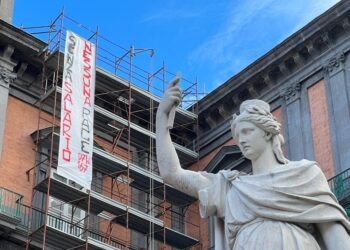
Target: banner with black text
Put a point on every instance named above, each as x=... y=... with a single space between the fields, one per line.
x=77 y=111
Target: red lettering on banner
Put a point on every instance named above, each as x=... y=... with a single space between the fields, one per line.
x=66 y=152
x=87 y=90
x=67 y=99
x=67 y=120
x=66 y=155
x=83 y=162
x=87 y=73
x=87 y=50
x=84 y=158
x=87 y=100
x=76 y=136
x=86 y=128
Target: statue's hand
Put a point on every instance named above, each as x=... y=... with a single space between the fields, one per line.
x=171 y=98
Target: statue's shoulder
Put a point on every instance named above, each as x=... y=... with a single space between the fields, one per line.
x=304 y=163
x=230 y=175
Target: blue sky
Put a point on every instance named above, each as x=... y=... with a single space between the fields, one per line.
x=210 y=40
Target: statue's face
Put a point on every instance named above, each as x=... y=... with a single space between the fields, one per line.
x=251 y=139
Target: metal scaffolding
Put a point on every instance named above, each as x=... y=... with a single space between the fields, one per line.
x=127 y=194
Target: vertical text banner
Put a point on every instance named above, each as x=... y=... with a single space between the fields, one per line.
x=77 y=111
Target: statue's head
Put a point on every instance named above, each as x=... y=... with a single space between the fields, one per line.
x=255 y=128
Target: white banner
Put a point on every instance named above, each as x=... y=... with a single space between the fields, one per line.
x=77 y=111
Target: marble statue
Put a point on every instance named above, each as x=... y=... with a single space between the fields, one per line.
x=282 y=205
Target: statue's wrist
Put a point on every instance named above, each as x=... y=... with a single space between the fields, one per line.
x=162 y=120
x=161 y=114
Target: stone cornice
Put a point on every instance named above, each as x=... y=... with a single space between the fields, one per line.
x=268 y=72
x=19 y=38
x=20 y=48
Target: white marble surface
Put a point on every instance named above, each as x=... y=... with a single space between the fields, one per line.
x=283 y=205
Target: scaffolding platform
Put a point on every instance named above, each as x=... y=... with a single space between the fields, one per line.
x=141 y=179
x=55 y=237
x=66 y=235
x=122 y=213
x=8 y=222
x=126 y=99
x=140 y=135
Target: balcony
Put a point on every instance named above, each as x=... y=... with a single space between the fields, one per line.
x=123 y=214
x=10 y=213
x=61 y=231
x=340 y=186
x=14 y=218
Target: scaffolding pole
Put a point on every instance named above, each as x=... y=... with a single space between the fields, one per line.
x=133 y=111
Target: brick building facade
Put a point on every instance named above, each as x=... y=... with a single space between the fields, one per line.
x=128 y=206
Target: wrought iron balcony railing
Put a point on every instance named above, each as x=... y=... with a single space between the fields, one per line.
x=340 y=186
x=66 y=226
x=10 y=203
x=11 y=206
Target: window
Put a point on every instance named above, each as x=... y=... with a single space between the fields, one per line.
x=65 y=217
x=96 y=184
x=177 y=218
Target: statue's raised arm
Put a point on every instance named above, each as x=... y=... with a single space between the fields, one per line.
x=168 y=162
x=292 y=199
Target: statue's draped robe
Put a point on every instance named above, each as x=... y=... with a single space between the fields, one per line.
x=276 y=210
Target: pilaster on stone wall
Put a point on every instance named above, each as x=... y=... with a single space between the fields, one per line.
x=336 y=74
x=6 y=78
x=6 y=10
x=294 y=143
x=297 y=126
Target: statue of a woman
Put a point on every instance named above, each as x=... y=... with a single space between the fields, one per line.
x=283 y=205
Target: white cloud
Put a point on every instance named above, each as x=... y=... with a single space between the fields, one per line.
x=214 y=49
x=226 y=50
x=316 y=8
